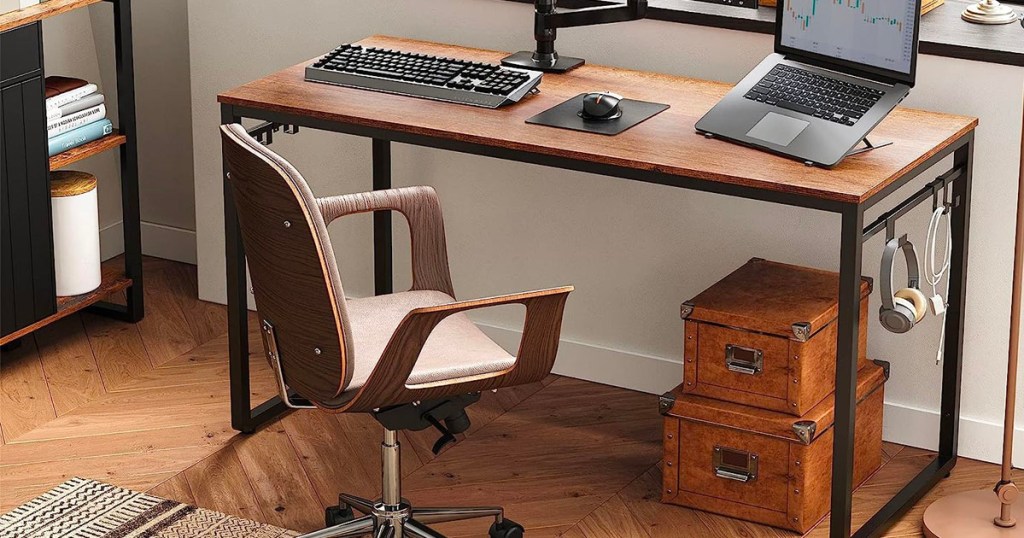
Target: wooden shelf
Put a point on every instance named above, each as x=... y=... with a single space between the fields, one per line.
x=41 y=11
x=113 y=281
x=89 y=149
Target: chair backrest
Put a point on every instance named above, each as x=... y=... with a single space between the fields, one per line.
x=294 y=274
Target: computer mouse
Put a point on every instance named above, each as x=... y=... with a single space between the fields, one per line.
x=601 y=106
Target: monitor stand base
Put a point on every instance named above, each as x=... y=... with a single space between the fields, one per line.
x=524 y=59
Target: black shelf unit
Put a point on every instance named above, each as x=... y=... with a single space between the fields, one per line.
x=27 y=290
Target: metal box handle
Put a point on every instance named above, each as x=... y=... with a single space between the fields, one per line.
x=744 y=360
x=733 y=464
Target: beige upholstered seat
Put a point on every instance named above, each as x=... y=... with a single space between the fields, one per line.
x=456 y=349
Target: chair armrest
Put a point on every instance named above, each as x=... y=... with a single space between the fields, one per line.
x=386 y=385
x=422 y=211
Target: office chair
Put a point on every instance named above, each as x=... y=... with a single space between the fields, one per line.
x=413 y=359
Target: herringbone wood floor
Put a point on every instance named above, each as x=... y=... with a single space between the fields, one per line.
x=146 y=407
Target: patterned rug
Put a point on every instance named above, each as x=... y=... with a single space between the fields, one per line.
x=81 y=508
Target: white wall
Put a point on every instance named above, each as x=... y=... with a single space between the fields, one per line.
x=634 y=251
x=69 y=50
x=80 y=43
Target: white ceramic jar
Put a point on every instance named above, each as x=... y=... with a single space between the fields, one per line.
x=76 y=232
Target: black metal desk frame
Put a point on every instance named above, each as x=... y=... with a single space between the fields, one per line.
x=852 y=237
x=124 y=63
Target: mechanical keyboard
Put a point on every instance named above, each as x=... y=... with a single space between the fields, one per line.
x=816 y=95
x=422 y=75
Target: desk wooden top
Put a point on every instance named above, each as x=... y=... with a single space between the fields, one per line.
x=666 y=143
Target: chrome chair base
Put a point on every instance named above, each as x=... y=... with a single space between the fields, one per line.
x=395 y=517
x=401 y=521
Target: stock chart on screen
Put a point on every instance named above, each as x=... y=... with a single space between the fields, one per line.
x=873 y=32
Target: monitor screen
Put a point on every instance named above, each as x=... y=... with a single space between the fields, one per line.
x=877 y=33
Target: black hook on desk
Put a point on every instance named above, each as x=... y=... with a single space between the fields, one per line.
x=944 y=187
x=947 y=205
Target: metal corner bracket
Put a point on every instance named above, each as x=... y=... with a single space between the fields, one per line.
x=886 y=367
x=665 y=402
x=805 y=430
x=686 y=309
x=801 y=331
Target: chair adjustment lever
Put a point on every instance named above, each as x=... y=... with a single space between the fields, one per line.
x=446 y=435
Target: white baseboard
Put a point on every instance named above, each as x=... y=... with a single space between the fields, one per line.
x=629 y=370
x=111 y=240
x=160 y=241
x=979 y=439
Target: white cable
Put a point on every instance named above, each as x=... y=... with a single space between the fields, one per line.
x=935 y=273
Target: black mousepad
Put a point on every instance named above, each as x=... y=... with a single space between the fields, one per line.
x=566 y=116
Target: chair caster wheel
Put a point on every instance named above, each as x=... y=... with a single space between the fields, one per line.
x=506 y=529
x=336 y=515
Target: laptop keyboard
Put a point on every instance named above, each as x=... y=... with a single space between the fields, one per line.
x=816 y=95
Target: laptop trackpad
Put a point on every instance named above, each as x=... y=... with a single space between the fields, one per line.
x=778 y=129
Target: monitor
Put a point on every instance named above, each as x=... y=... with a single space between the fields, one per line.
x=874 y=36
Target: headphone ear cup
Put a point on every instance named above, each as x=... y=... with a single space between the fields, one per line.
x=900 y=318
x=919 y=303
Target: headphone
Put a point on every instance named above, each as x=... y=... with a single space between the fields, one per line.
x=901 y=310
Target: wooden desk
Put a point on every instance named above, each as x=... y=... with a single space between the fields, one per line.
x=663 y=150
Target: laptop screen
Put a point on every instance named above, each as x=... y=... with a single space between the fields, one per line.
x=877 y=33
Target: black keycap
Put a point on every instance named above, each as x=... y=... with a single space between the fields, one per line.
x=796 y=107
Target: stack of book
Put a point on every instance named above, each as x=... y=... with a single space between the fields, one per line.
x=75 y=113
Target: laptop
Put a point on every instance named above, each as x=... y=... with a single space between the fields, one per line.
x=839 y=67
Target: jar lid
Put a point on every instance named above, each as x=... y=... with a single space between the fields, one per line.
x=70 y=183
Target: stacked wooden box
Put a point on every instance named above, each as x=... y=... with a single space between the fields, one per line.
x=748 y=433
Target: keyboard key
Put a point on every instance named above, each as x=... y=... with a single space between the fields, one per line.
x=375 y=72
x=796 y=107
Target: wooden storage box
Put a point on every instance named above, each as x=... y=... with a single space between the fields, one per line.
x=766 y=336
x=762 y=465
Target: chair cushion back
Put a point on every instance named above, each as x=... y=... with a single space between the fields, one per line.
x=292 y=266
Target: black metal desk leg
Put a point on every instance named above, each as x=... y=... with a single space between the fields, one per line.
x=238 y=304
x=383 y=272
x=952 y=366
x=851 y=251
x=125 y=66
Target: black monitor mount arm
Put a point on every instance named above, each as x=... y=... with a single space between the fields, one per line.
x=547 y=21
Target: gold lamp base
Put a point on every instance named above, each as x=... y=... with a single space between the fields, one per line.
x=989 y=12
x=971 y=514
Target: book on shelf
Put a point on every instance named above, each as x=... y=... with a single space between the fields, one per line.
x=82 y=135
x=56 y=84
x=70 y=96
x=73 y=121
x=88 y=101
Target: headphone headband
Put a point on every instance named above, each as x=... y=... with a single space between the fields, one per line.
x=888 y=264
